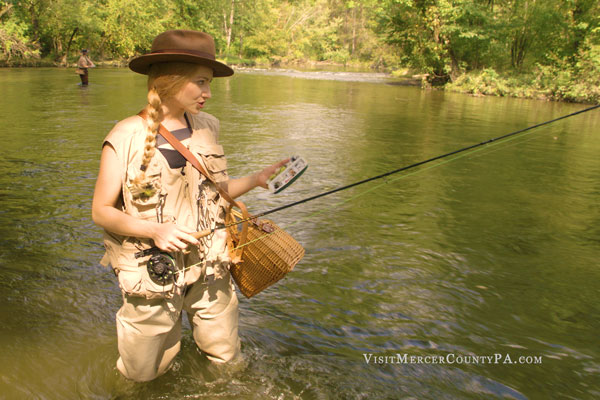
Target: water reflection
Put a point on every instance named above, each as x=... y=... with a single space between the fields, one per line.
x=492 y=253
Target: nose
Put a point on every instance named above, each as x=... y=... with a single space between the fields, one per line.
x=206 y=92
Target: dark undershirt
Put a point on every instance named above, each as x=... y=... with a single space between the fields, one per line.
x=174 y=158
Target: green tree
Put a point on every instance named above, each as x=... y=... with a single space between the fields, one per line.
x=440 y=37
x=127 y=27
x=15 y=42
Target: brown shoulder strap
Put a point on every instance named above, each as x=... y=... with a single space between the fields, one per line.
x=177 y=145
x=238 y=250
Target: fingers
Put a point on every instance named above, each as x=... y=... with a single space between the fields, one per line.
x=188 y=238
x=179 y=244
x=180 y=238
x=187 y=235
x=174 y=244
x=281 y=163
x=170 y=248
x=271 y=169
x=174 y=238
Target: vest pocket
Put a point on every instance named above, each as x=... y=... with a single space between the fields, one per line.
x=144 y=201
x=214 y=160
x=133 y=276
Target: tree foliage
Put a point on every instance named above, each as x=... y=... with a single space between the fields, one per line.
x=553 y=40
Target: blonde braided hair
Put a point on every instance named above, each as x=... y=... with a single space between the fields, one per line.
x=165 y=80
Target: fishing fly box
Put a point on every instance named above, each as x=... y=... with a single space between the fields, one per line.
x=287 y=174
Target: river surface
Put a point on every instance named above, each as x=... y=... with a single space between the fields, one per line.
x=424 y=286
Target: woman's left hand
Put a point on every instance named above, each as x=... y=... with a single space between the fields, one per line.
x=263 y=176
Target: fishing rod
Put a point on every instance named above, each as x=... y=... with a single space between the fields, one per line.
x=417 y=164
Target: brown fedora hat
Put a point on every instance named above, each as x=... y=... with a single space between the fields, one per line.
x=183 y=46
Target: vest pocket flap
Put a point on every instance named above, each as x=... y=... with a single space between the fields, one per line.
x=214 y=159
x=130 y=281
x=144 y=198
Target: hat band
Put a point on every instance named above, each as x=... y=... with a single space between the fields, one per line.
x=190 y=52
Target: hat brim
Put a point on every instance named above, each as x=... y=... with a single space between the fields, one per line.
x=142 y=64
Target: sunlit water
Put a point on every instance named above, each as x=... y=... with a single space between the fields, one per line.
x=493 y=253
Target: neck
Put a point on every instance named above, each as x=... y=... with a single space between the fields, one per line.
x=172 y=114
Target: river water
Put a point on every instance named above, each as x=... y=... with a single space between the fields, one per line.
x=493 y=255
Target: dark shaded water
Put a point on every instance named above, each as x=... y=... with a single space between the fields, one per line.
x=494 y=253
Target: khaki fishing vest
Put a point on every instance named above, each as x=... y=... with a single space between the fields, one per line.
x=181 y=196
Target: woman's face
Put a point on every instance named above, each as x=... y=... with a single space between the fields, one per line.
x=196 y=91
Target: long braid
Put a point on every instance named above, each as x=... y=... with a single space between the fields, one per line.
x=154 y=110
x=142 y=186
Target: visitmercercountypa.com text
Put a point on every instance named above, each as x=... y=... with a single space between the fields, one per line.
x=451 y=359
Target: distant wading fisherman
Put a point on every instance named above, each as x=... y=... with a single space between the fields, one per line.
x=83 y=64
x=153 y=200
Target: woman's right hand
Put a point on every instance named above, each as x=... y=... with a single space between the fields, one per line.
x=170 y=237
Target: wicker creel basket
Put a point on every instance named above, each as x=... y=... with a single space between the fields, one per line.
x=263 y=257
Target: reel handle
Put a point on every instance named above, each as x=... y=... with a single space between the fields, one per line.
x=201 y=234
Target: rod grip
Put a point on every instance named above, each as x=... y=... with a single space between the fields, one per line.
x=201 y=234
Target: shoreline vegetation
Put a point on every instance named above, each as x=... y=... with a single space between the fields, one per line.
x=546 y=50
x=476 y=83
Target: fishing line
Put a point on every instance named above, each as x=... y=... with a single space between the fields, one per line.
x=475 y=147
x=387 y=181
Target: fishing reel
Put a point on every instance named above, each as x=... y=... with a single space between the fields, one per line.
x=161 y=266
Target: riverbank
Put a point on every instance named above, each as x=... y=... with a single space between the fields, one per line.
x=547 y=83
x=51 y=63
x=232 y=61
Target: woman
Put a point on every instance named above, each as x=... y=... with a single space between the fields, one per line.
x=150 y=202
